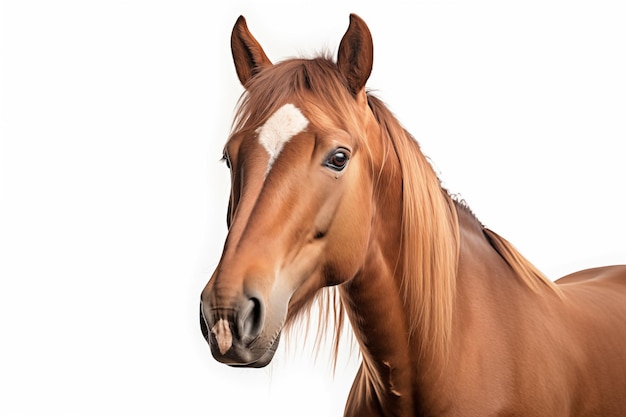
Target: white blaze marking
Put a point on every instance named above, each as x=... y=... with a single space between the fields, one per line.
x=224 y=337
x=286 y=123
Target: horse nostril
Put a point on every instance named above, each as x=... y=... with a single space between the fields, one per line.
x=251 y=320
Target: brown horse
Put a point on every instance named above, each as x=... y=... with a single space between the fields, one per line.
x=328 y=190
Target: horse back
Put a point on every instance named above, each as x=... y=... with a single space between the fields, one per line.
x=595 y=307
x=607 y=275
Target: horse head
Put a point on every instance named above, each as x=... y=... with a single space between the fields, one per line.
x=301 y=203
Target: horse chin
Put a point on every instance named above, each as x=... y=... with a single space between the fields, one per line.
x=245 y=358
x=264 y=360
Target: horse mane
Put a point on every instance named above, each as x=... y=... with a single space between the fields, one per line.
x=524 y=269
x=297 y=80
x=428 y=259
x=532 y=277
x=429 y=241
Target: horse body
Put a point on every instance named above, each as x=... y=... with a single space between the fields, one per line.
x=553 y=367
x=329 y=190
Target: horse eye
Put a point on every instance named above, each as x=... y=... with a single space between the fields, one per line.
x=337 y=160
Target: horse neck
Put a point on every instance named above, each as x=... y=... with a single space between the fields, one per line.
x=493 y=305
x=374 y=306
x=413 y=337
x=397 y=377
x=384 y=384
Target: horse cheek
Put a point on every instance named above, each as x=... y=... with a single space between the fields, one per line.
x=351 y=236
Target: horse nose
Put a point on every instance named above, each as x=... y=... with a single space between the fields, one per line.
x=239 y=325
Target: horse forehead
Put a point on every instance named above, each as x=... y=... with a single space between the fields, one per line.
x=287 y=122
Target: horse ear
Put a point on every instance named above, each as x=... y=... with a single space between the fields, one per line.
x=248 y=54
x=356 y=54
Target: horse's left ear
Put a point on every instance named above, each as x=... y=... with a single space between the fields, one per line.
x=356 y=54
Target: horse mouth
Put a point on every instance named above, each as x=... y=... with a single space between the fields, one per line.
x=264 y=360
x=251 y=356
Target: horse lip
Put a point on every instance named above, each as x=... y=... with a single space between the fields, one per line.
x=264 y=360
x=235 y=356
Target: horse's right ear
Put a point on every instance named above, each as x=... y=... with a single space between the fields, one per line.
x=248 y=54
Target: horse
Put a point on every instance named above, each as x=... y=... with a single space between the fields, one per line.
x=329 y=191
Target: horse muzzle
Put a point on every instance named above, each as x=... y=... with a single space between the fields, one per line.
x=235 y=332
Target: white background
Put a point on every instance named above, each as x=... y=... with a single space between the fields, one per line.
x=113 y=202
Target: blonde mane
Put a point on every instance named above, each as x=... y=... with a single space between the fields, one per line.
x=429 y=241
x=428 y=259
